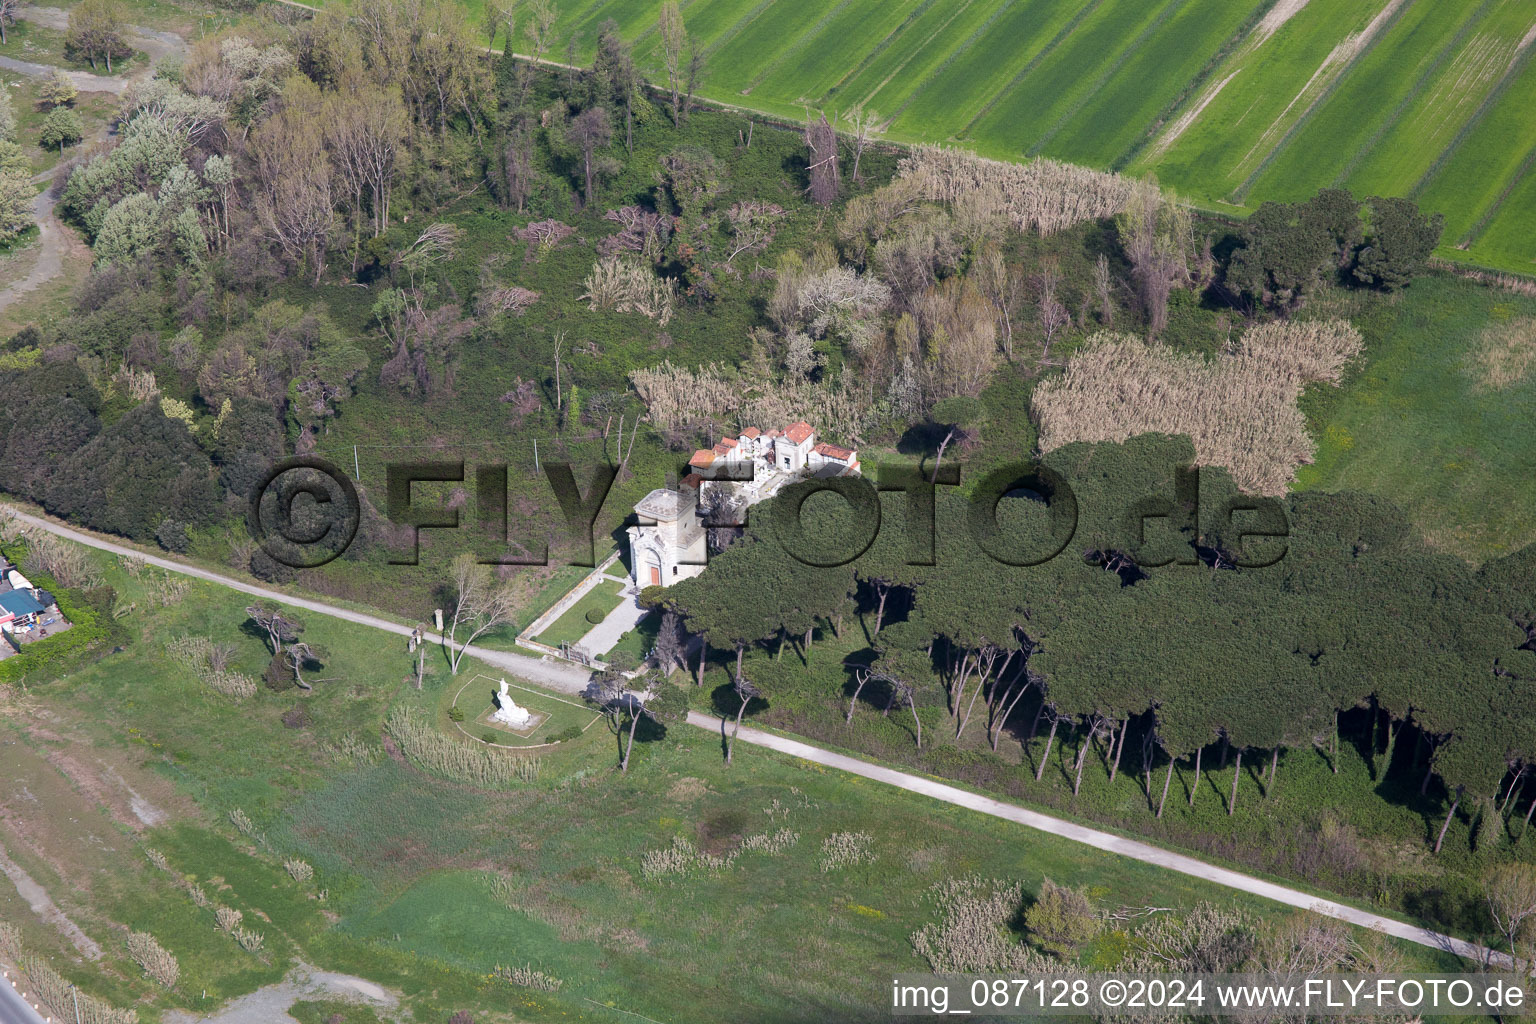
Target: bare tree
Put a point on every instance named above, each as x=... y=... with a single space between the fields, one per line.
x=292 y=184
x=1510 y=890
x=746 y=693
x=479 y=605
x=281 y=628
x=1157 y=235
x=863 y=124
x=1101 y=288
x=674 y=42
x=364 y=127
x=591 y=131
x=822 y=141
x=1053 y=313
x=8 y=9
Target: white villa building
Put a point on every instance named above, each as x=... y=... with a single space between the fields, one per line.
x=670 y=544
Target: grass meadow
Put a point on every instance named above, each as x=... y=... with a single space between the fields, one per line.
x=427 y=886
x=1417 y=420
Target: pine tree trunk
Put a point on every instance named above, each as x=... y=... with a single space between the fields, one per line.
x=880 y=608
x=1439 y=839
x=855 y=701
x=1429 y=771
x=1082 y=755
x=1040 y=772
x=1226 y=745
x=1125 y=727
x=998 y=735
x=779 y=654
x=1196 y=787
x=703 y=654
x=1166 y=780
x=730 y=746
x=919 y=722
x=1528 y=811
x=634 y=720
x=1232 y=800
x=1333 y=761
x=740 y=650
x=1274 y=766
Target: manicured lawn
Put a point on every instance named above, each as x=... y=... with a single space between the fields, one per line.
x=573 y=625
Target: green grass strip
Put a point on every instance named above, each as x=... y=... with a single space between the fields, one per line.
x=1197 y=84
x=1034 y=62
x=1445 y=54
x=795 y=47
x=955 y=55
x=1241 y=192
x=1510 y=73
x=881 y=47
x=1125 y=54
x=742 y=24
x=1477 y=229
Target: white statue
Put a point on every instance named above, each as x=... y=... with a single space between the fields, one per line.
x=507 y=711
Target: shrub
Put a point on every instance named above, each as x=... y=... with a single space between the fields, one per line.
x=846 y=850
x=155 y=961
x=456 y=714
x=55 y=992
x=438 y=753
x=228 y=919
x=242 y=821
x=625 y=286
x=570 y=732
x=1061 y=920
x=595 y=616
x=527 y=977
x=1042 y=195
x=251 y=942
x=972 y=934
x=300 y=870
x=208 y=661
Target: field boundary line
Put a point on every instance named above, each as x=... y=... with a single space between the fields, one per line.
x=1170 y=8
x=1033 y=62
x=737 y=27
x=800 y=43
x=964 y=6
x=1516 y=66
x=1451 y=47
x=1196 y=85
x=1394 y=13
x=884 y=44
x=953 y=56
x=1477 y=229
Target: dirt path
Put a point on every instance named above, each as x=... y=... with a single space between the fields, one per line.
x=43 y=906
x=54 y=239
x=1124 y=847
x=270 y=1005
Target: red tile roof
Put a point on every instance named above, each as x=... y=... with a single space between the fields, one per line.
x=722 y=449
x=798 y=432
x=729 y=442
x=692 y=480
x=832 y=451
x=701 y=458
x=752 y=433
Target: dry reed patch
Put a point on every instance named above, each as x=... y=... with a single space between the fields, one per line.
x=1041 y=195
x=1239 y=409
x=1504 y=354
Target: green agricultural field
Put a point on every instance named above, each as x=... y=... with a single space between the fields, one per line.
x=1437 y=416
x=1228 y=103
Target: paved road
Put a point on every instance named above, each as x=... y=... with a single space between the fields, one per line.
x=1130 y=848
x=13 y=1008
